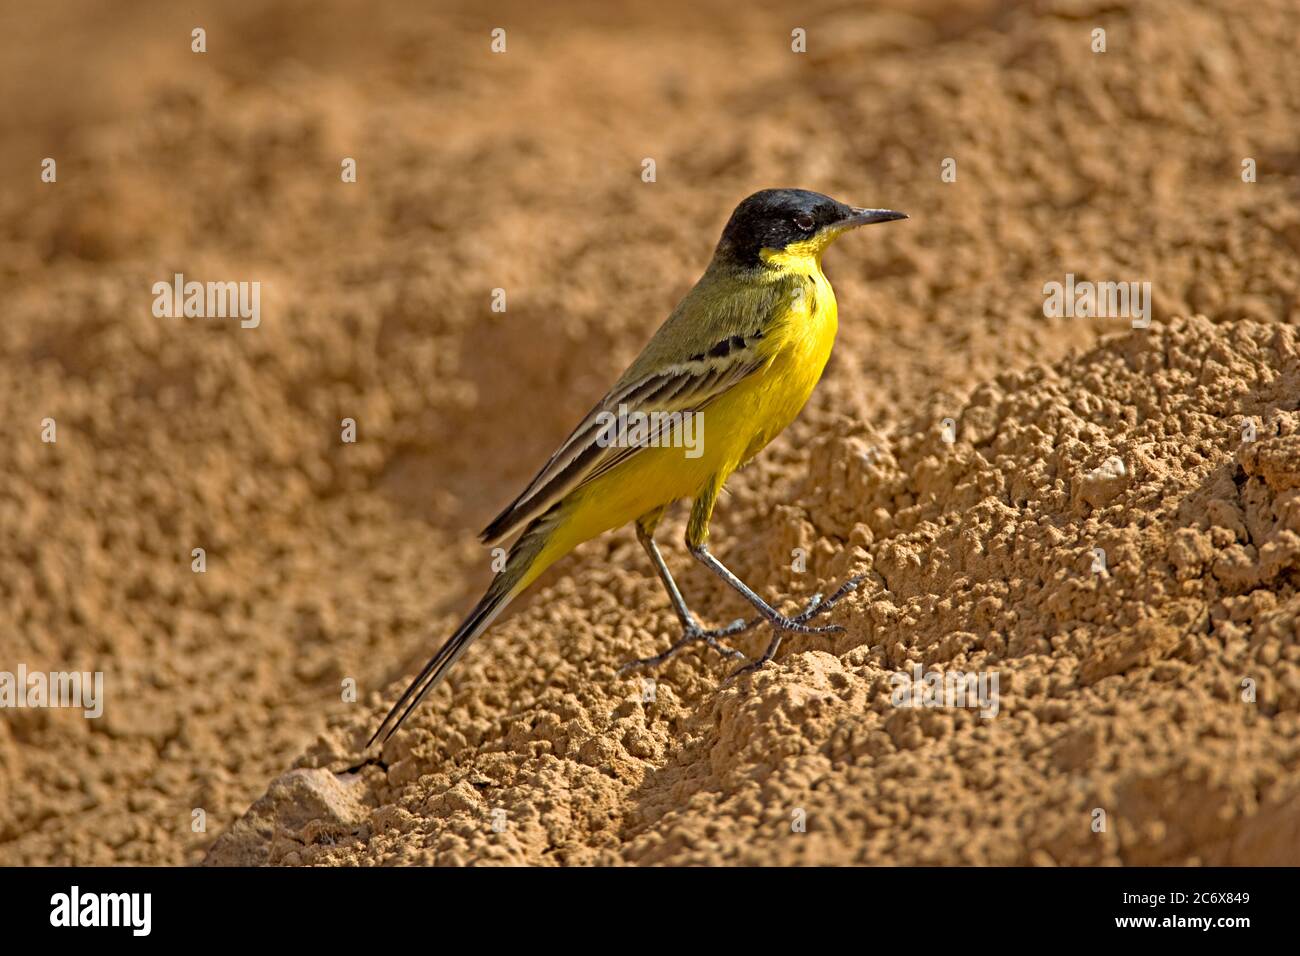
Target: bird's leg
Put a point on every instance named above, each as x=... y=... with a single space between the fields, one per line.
x=697 y=532
x=781 y=622
x=691 y=629
x=815 y=606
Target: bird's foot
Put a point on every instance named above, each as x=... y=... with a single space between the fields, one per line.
x=692 y=633
x=799 y=624
x=757 y=663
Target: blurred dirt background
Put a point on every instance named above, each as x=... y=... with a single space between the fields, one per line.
x=1121 y=690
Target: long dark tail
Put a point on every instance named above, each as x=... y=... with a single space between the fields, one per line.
x=528 y=558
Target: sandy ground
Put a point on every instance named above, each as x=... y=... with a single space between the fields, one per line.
x=1155 y=688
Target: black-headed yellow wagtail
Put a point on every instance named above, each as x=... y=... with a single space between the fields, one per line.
x=728 y=371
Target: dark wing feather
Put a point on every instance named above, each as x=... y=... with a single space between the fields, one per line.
x=686 y=387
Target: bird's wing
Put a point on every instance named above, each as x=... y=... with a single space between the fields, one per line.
x=602 y=442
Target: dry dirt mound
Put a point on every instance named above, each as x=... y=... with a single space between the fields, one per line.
x=329 y=562
x=1124 y=675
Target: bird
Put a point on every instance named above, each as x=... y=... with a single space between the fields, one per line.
x=730 y=368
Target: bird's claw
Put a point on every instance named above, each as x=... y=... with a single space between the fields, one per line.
x=816 y=606
x=749 y=668
x=798 y=624
x=690 y=634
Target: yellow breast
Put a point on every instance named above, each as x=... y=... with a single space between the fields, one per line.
x=800 y=345
x=736 y=426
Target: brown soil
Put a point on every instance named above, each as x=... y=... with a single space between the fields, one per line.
x=1121 y=689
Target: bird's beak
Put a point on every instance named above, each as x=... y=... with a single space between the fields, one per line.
x=865 y=217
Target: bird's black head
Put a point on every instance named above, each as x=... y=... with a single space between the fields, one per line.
x=796 y=221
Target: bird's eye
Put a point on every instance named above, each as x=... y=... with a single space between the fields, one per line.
x=804 y=221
